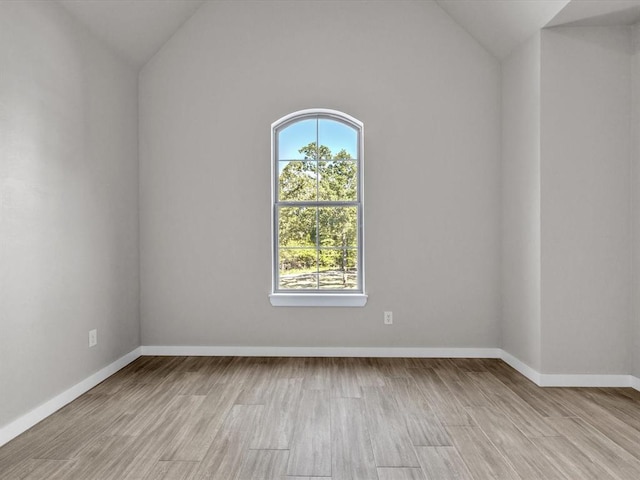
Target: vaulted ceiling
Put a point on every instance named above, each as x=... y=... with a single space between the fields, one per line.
x=137 y=29
x=609 y=12
x=501 y=25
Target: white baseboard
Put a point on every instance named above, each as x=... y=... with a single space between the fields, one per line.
x=543 y=380
x=570 y=380
x=20 y=425
x=582 y=380
x=521 y=367
x=242 y=351
x=28 y=420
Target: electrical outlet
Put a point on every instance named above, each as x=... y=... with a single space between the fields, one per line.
x=93 y=337
x=388 y=318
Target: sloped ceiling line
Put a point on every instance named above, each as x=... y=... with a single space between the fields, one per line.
x=137 y=29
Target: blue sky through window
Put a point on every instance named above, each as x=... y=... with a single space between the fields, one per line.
x=335 y=135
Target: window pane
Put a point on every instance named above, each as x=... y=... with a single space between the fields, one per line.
x=295 y=137
x=297 y=181
x=338 y=226
x=341 y=139
x=297 y=227
x=298 y=269
x=338 y=180
x=338 y=269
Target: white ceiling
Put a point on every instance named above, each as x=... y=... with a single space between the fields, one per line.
x=588 y=12
x=138 y=28
x=135 y=28
x=501 y=25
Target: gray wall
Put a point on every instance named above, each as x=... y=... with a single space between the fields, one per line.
x=68 y=217
x=585 y=200
x=428 y=95
x=635 y=137
x=521 y=203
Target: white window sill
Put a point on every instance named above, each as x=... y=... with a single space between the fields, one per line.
x=318 y=299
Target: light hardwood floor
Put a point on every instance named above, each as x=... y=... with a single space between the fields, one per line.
x=229 y=418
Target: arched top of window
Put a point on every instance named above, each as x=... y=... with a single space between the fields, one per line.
x=317 y=134
x=311 y=113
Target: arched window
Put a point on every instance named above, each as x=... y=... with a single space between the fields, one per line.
x=317 y=209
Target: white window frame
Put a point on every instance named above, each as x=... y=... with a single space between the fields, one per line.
x=319 y=298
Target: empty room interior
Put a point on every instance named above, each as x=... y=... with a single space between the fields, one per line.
x=320 y=240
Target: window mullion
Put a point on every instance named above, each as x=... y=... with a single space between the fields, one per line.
x=317 y=207
x=324 y=203
x=317 y=248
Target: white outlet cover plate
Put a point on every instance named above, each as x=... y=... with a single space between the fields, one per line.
x=93 y=338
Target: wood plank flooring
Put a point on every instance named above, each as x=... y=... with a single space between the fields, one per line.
x=239 y=418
